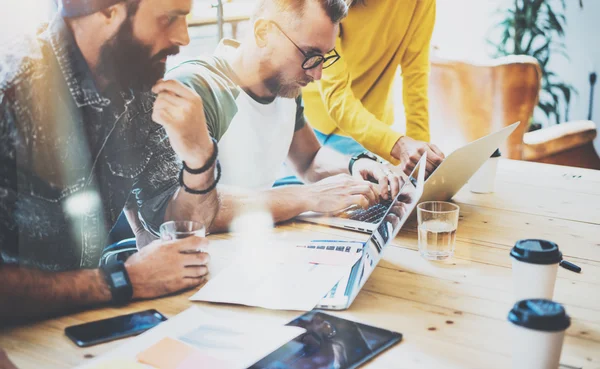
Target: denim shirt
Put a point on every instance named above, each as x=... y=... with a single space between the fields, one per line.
x=71 y=158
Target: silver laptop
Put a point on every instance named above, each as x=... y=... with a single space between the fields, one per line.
x=345 y=291
x=442 y=185
x=456 y=170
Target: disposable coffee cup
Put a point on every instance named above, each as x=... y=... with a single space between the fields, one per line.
x=484 y=180
x=538 y=332
x=534 y=267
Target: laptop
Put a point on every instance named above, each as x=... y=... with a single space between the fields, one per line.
x=442 y=184
x=458 y=167
x=342 y=295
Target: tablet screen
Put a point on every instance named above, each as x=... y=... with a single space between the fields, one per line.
x=329 y=343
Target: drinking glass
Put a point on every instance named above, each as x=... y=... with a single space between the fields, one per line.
x=437 y=222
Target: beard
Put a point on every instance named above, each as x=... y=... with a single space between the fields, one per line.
x=280 y=86
x=129 y=64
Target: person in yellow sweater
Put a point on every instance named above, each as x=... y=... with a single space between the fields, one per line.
x=351 y=107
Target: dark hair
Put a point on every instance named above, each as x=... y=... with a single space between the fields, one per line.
x=132 y=7
x=353 y=3
x=335 y=9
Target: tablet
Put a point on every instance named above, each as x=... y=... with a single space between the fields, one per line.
x=329 y=342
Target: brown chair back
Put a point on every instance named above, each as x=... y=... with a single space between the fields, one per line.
x=471 y=100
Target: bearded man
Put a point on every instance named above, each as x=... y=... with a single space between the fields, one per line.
x=78 y=144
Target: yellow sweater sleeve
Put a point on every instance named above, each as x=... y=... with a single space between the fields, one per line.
x=415 y=72
x=351 y=116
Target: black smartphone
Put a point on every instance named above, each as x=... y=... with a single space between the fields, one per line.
x=111 y=329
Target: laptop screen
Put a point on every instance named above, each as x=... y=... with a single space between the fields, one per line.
x=388 y=229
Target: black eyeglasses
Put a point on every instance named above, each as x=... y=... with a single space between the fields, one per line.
x=312 y=60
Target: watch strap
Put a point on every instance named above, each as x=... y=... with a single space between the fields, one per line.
x=117 y=279
x=362 y=155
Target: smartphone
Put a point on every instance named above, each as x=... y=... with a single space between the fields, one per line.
x=111 y=329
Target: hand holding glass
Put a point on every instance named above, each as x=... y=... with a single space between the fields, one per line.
x=176 y=230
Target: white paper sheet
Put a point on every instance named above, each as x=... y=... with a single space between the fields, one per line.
x=280 y=286
x=230 y=337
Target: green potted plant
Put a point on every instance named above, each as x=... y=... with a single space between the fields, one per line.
x=537 y=28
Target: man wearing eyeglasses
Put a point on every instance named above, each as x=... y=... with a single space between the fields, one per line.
x=251 y=95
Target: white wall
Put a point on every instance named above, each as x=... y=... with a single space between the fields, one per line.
x=19 y=16
x=463 y=26
x=583 y=47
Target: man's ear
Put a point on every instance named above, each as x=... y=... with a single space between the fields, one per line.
x=262 y=27
x=114 y=16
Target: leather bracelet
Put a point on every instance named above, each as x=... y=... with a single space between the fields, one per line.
x=201 y=192
x=209 y=163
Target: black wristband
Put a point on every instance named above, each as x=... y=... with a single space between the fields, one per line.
x=117 y=279
x=201 y=192
x=362 y=155
x=209 y=163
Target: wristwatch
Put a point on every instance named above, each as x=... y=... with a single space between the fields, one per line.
x=118 y=281
x=362 y=155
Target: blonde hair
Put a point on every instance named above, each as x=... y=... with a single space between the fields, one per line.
x=335 y=9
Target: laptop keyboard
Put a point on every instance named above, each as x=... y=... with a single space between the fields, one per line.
x=331 y=248
x=372 y=215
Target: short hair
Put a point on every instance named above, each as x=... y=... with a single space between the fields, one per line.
x=335 y=9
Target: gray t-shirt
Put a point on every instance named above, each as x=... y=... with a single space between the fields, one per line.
x=254 y=136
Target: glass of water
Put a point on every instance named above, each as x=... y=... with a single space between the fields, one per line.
x=176 y=230
x=438 y=222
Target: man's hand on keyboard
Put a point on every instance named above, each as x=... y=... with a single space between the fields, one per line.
x=388 y=181
x=339 y=192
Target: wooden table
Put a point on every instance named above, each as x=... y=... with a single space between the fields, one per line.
x=452 y=314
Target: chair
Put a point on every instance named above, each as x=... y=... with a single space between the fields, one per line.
x=469 y=100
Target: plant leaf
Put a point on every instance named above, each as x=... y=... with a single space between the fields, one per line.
x=544 y=49
x=554 y=22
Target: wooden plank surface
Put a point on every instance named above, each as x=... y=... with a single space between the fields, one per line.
x=453 y=313
x=557 y=191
